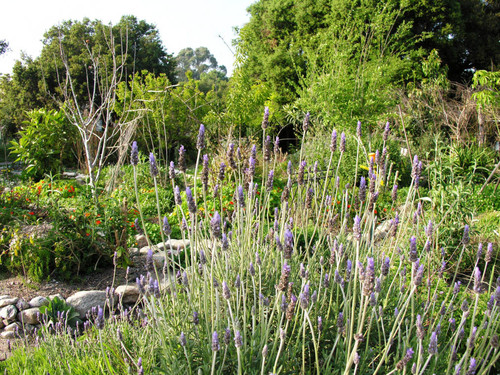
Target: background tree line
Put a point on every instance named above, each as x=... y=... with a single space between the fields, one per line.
x=341 y=60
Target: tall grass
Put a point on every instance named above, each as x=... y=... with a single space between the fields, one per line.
x=315 y=284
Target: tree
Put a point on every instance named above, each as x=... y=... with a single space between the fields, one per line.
x=4 y=46
x=197 y=61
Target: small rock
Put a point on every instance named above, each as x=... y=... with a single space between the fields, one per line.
x=8 y=301
x=85 y=300
x=39 y=301
x=145 y=249
x=8 y=335
x=127 y=293
x=22 y=304
x=174 y=244
x=8 y=313
x=159 y=260
x=133 y=251
x=58 y=295
x=29 y=316
x=12 y=327
x=141 y=240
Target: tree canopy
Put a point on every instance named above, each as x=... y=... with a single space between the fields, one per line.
x=197 y=61
x=3 y=46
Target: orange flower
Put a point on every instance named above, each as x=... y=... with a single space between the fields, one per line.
x=385 y=209
x=87 y=214
x=98 y=222
x=32 y=213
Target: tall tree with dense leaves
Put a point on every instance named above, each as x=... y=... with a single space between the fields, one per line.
x=197 y=61
x=3 y=46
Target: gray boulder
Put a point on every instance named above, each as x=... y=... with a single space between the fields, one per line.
x=29 y=316
x=6 y=300
x=8 y=313
x=39 y=301
x=85 y=300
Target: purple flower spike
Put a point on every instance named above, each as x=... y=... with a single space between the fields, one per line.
x=225 y=290
x=477 y=280
x=489 y=253
x=276 y=146
x=358 y=129
x=182 y=159
x=153 y=169
x=215 y=224
x=387 y=130
x=183 y=339
x=472 y=367
x=265 y=120
x=177 y=196
x=357 y=228
x=171 y=171
x=134 y=155
x=270 y=181
x=305 y=125
x=215 y=342
x=413 y=249
x=191 y=204
x=362 y=189
x=342 y=142
x=466 y=238
x=369 y=277
x=200 y=142
x=333 y=143
x=241 y=197
x=238 y=340
x=394 y=193
x=288 y=246
x=99 y=323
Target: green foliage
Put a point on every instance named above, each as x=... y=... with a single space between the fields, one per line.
x=488 y=84
x=198 y=61
x=46 y=143
x=57 y=310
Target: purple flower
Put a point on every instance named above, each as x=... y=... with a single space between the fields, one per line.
x=369 y=277
x=300 y=174
x=225 y=290
x=171 y=171
x=415 y=170
x=413 y=249
x=200 y=142
x=190 y=200
x=285 y=276
x=153 y=169
x=288 y=245
x=333 y=142
x=429 y=229
x=320 y=324
x=276 y=146
x=362 y=189
x=342 y=142
x=433 y=344
x=204 y=171
x=265 y=120
x=196 y=319
x=394 y=193
x=472 y=367
x=183 y=339
x=357 y=228
x=215 y=225
x=477 y=280
x=305 y=125
x=182 y=159
x=215 y=342
x=466 y=238
x=358 y=129
x=267 y=148
x=238 y=340
x=134 y=155
x=387 y=129
x=386 y=266
x=251 y=269
x=270 y=181
x=177 y=196
x=420 y=328
x=241 y=197
x=489 y=253
x=99 y=322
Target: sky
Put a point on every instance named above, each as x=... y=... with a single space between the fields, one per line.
x=181 y=23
